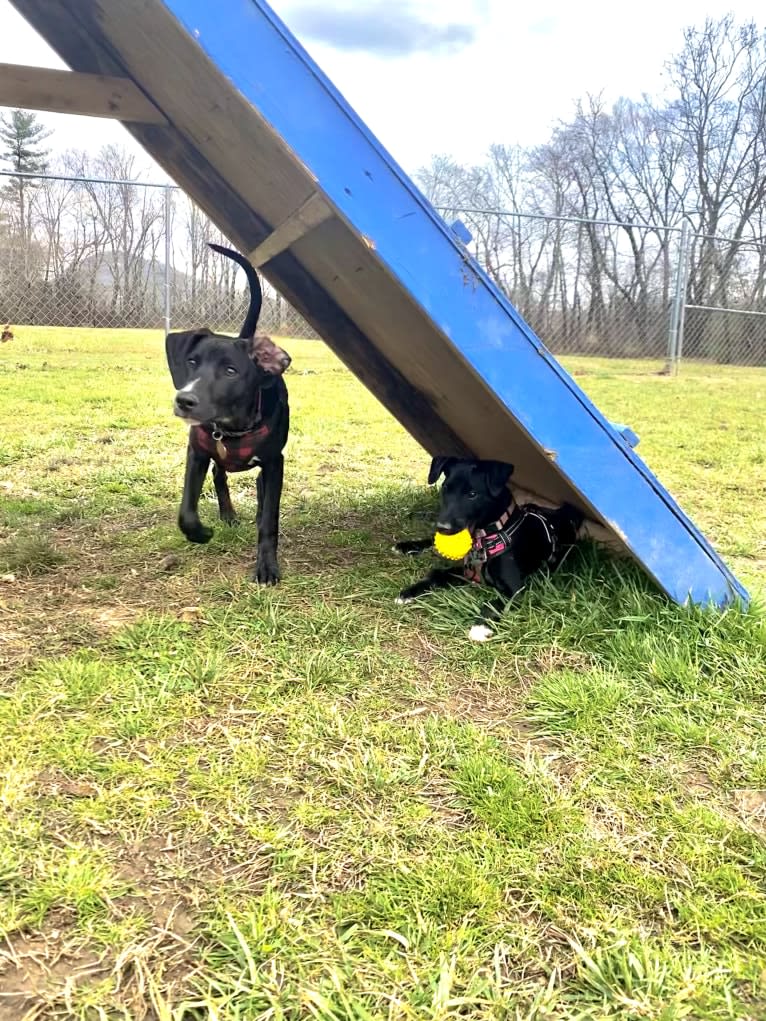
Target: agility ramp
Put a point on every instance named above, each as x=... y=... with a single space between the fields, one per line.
x=234 y=109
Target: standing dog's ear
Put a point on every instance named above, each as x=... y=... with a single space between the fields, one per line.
x=439 y=465
x=267 y=355
x=498 y=473
x=178 y=349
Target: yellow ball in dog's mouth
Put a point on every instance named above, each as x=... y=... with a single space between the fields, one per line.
x=453 y=547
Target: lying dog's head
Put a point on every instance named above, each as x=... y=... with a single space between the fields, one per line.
x=217 y=379
x=473 y=493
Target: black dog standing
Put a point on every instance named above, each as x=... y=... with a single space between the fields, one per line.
x=509 y=542
x=232 y=394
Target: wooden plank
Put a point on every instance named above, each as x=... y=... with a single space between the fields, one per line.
x=311 y=214
x=401 y=332
x=152 y=48
x=200 y=180
x=91 y=95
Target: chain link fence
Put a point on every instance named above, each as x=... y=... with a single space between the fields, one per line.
x=91 y=252
x=119 y=254
x=626 y=290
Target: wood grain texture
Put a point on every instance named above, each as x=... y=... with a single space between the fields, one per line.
x=91 y=95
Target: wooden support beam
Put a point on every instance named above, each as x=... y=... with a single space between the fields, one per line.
x=309 y=215
x=92 y=95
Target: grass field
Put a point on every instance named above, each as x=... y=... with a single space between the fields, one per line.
x=225 y=803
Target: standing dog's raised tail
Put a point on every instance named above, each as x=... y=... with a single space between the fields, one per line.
x=256 y=294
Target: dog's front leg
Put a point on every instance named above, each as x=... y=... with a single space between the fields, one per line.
x=440 y=577
x=505 y=576
x=269 y=490
x=188 y=516
x=411 y=547
x=226 y=510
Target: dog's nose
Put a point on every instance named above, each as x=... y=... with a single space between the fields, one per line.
x=186 y=401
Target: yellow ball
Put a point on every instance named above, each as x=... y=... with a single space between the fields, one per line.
x=453 y=547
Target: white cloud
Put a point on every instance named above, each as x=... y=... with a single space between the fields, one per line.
x=386 y=28
x=517 y=71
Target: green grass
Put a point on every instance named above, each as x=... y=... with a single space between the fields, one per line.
x=218 y=802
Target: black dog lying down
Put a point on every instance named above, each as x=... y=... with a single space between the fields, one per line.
x=510 y=542
x=232 y=394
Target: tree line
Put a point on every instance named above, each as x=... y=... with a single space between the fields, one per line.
x=544 y=219
x=91 y=251
x=583 y=232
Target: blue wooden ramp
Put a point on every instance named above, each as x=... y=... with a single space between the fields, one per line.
x=255 y=133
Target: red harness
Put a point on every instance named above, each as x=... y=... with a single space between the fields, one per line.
x=232 y=452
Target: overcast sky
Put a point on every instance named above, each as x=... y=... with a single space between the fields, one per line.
x=453 y=76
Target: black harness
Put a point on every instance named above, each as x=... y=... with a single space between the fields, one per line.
x=497 y=539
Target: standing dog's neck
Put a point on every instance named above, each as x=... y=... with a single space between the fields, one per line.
x=238 y=426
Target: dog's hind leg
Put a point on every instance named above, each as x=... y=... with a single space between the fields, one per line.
x=188 y=515
x=226 y=510
x=269 y=491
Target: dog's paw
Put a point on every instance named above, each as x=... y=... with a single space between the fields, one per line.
x=480 y=633
x=201 y=534
x=266 y=572
x=407 y=548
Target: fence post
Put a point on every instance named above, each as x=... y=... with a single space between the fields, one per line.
x=167 y=259
x=684 y=268
x=678 y=311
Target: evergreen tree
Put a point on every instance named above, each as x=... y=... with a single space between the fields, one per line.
x=22 y=150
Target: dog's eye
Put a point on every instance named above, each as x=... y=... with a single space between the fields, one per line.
x=192 y=362
x=471 y=494
x=230 y=370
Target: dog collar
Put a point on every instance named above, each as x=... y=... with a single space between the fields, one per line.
x=232 y=451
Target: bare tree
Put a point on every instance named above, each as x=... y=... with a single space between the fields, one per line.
x=126 y=227
x=719 y=117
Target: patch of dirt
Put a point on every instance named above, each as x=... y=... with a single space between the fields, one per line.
x=445 y=805
x=169 y=878
x=112 y=618
x=698 y=783
x=37 y=969
x=492 y=711
x=554 y=658
x=165 y=868
x=51 y=784
x=347 y=873
x=751 y=808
